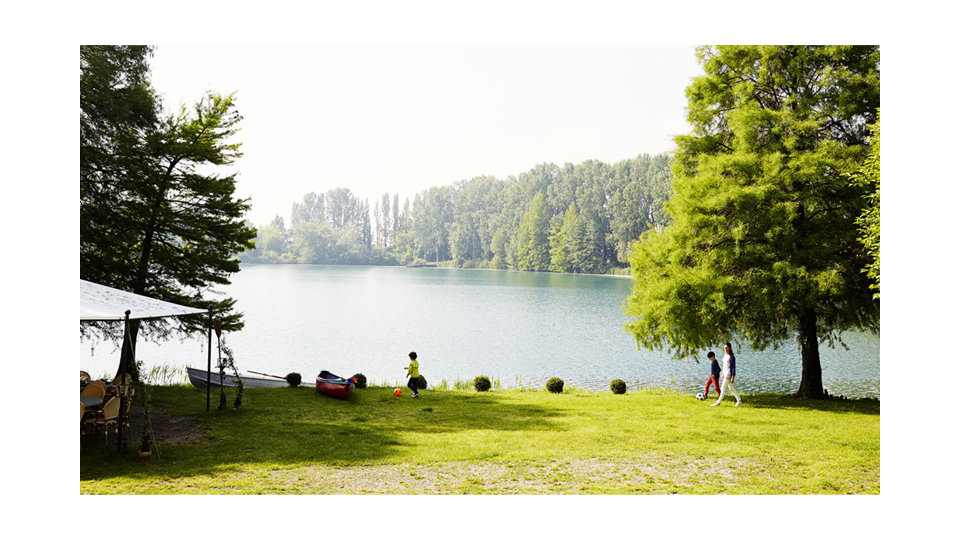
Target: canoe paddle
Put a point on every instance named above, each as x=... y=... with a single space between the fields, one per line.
x=267 y=374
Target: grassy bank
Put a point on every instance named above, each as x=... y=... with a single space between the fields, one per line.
x=295 y=441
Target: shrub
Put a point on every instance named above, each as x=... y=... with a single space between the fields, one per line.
x=360 y=380
x=617 y=386
x=481 y=383
x=421 y=382
x=293 y=379
x=555 y=385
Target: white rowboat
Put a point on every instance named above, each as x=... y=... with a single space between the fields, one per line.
x=198 y=378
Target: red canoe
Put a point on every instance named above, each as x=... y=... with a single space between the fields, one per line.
x=333 y=385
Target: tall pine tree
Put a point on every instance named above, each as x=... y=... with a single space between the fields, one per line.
x=533 y=247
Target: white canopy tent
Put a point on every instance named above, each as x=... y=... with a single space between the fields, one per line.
x=102 y=303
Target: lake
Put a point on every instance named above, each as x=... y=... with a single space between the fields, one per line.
x=519 y=327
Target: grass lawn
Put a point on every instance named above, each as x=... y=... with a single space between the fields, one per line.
x=287 y=440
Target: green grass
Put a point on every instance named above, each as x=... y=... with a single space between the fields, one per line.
x=288 y=440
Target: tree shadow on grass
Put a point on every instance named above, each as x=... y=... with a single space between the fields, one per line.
x=482 y=411
x=300 y=427
x=779 y=401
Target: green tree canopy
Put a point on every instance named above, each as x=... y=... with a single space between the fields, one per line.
x=158 y=217
x=869 y=177
x=117 y=112
x=763 y=244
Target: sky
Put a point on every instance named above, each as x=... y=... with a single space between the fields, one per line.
x=379 y=119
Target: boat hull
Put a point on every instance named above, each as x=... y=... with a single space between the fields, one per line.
x=198 y=378
x=331 y=385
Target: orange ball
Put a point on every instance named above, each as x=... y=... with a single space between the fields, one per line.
x=396 y=392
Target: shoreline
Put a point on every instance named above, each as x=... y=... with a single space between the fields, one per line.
x=438 y=267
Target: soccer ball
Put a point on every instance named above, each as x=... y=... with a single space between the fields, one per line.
x=397 y=392
x=700 y=396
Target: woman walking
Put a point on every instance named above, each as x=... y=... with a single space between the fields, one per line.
x=727 y=373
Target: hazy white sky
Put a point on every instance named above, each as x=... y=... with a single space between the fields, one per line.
x=403 y=119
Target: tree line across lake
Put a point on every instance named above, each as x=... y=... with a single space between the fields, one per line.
x=574 y=218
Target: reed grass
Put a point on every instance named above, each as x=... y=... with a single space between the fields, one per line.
x=165 y=375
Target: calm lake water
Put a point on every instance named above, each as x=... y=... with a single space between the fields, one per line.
x=520 y=327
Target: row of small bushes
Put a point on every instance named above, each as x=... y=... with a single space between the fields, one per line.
x=482 y=384
x=554 y=385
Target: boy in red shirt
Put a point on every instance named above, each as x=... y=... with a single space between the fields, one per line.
x=714 y=376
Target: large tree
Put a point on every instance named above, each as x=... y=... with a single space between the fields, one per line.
x=166 y=223
x=763 y=244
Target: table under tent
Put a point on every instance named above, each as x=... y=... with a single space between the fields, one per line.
x=106 y=304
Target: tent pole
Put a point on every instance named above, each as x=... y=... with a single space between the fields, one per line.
x=209 y=345
x=123 y=372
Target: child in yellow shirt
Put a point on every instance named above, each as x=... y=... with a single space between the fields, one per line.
x=413 y=371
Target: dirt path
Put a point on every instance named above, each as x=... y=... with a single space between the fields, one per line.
x=167 y=429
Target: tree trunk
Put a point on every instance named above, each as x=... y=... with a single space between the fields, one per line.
x=139 y=287
x=140 y=284
x=811 y=379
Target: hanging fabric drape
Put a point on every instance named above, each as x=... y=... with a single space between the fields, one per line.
x=102 y=303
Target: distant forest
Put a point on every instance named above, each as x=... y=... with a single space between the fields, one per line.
x=574 y=218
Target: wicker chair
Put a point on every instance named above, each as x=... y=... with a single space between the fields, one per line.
x=87 y=422
x=106 y=418
x=84 y=376
x=95 y=389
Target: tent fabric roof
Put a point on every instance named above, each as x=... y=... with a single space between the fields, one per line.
x=102 y=303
